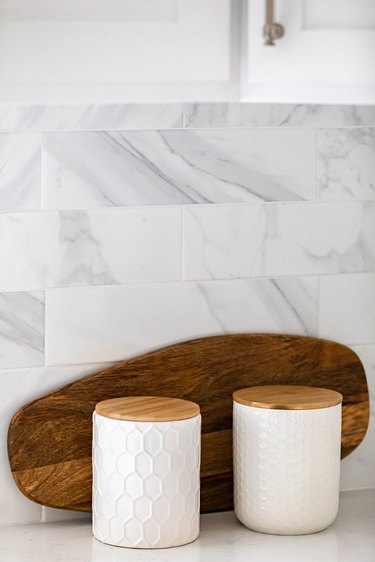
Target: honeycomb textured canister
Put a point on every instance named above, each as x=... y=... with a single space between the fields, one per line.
x=286 y=468
x=146 y=487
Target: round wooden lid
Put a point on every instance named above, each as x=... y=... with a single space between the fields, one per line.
x=287 y=397
x=147 y=409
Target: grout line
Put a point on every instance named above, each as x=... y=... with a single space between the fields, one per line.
x=275 y=127
x=140 y=283
x=155 y=206
x=191 y=128
x=85 y=365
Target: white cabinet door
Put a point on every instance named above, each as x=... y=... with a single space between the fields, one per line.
x=326 y=55
x=116 y=50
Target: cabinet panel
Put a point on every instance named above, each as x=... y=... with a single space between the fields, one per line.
x=130 y=11
x=326 y=54
x=338 y=14
x=117 y=51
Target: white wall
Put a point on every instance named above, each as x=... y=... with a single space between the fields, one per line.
x=122 y=230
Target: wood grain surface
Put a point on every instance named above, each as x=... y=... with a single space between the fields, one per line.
x=287 y=397
x=49 y=440
x=147 y=408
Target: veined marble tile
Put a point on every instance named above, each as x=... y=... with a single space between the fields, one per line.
x=21 y=330
x=20 y=171
x=346 y=163
x=222 y=242
x=358 y=470
x=85 y=170
x=17 y=388
x=17 y=117
x=276 y=115
x=112 y=323
x=278 y=239
x=347 y=308
x=58 y=249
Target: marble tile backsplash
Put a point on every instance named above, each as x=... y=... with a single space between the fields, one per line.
x=66 y=248
x=21 y=330
x=149 y=316
x=100 y=169
x=277 y=115
x=346 y=164
x=278 y=239
x=20 y=171
x=127 y=227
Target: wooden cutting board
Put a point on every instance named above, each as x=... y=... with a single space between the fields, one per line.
x=49 y=440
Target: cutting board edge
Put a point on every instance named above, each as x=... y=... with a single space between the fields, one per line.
x=153 y=352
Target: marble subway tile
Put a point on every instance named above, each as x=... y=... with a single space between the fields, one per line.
x=17 y=388
x=20 y=171
x=85 y=170
x=83 y=117
x=58 y=249
x=222 y=242
x=347 y=308
x=346 y=163
x=276 y=115
x=153 y=315
x=358 y=470
x=21 y=330
x=278 y=239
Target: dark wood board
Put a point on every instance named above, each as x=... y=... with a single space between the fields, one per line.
x=49 y=440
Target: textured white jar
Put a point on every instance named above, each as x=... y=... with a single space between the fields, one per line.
x=286 y=462
x=146 y=482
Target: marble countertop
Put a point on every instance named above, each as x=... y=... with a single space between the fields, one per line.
x=223 y=539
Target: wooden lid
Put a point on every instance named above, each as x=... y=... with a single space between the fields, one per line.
x=287 y=397
x=147 y=409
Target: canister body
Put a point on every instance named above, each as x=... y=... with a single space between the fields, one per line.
x=146 y=482
x=286 y=468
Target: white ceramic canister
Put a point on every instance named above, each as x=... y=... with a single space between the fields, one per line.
x=146 y=464
x=286 y=458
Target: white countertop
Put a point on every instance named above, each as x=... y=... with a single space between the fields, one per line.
x=350 y=539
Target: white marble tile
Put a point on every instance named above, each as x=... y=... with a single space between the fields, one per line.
x=276 y=115
x=85 y=170
x=278 y=239
x=111 y=323
x=21 y=330
x=18 y=117
x=358 y=470
x=222 y=242
x=17 y=387
x=20 y=171
x=346 y=163
x=347 y=308
x=52 y=249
